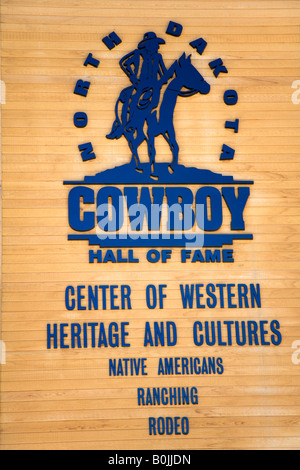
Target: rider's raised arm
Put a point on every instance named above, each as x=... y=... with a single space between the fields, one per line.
x=126 y=63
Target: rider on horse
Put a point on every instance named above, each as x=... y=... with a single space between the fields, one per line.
x=144 y=94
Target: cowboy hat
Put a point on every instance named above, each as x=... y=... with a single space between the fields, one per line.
x=150 y=37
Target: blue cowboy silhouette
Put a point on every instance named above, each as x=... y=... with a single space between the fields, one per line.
x=147 y=72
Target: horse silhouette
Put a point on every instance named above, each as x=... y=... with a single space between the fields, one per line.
x=130 y=121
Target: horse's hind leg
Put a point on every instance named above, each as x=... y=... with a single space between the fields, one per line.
x=171 y=139
x=134 y=144
x=152 y=155
x=135 y=157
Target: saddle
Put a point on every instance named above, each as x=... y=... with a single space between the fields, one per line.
x=143 y=101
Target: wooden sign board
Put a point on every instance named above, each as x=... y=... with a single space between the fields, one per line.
x=189 y=339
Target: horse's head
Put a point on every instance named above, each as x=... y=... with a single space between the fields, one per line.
x=190 y=77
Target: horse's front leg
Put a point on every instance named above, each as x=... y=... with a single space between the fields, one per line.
x=152 y=128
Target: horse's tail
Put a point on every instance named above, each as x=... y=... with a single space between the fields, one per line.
x=117 y=128
x=121 y=121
